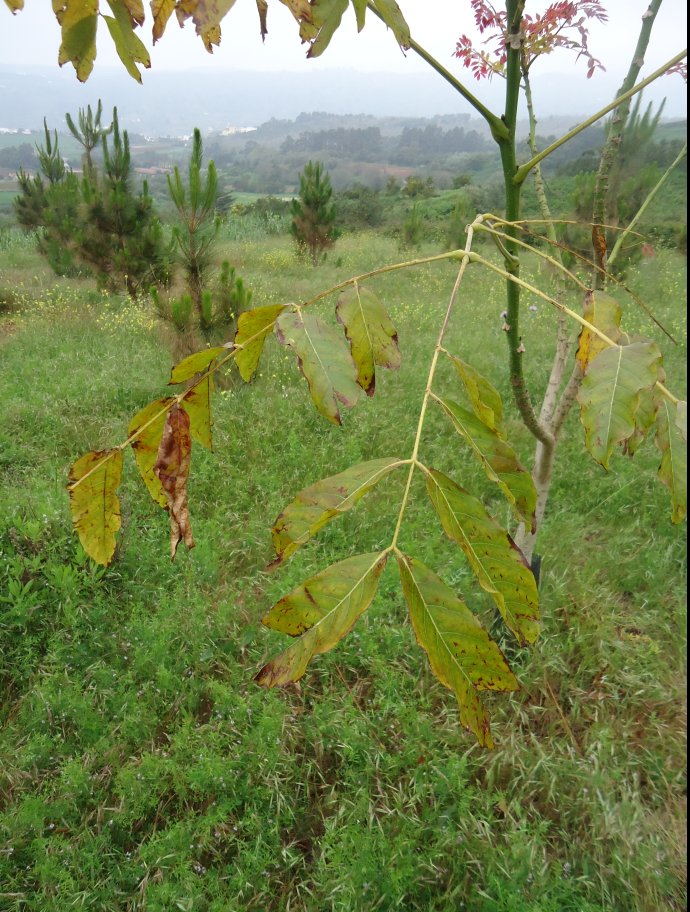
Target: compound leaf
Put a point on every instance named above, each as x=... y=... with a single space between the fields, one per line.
x=320 y=612
x=484 y=398
x=146 y=445
x=610 y=395
x=323 y=359
x=604 y=312
x=498 y=461
x=671 y=441
x=461 y=653
x=197 y=404
x=94 y=502
x=497 y=562
x=172 y=468
x=252 y=328
x=318 y=504
x=192 y=365
x=372 y=336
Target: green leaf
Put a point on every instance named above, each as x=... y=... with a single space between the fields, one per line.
x=360 y=12
x=146 y=446
x=318 y=504
x=610 y=395
x=604 y=312
x=192 y=365
x=323 y=359
x=372 y=336
x=130 y=48
x=78 y=20
x=197 y=404
x=462 y=655
x=498 y=461
x=323 y=610
x=484 y=398
x=327 y=15
x=498 y=563
x=94 y=503
x=252 y=328
x=394 y=19
x=671 y=439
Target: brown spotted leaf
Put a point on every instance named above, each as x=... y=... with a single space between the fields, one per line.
x=324 y=360
x=671 y=439
x=172 y=469
x=135 y=8
x=498 y=460
x=152 y=419
x=206 y=16
x=318 y=504
x=262 y=9
x=252 y=328
x=498 y=564
x=94 y=502
x=604 y=312
x=192 y=365
x=320 y=612
x=370 y=331
x=461 y=654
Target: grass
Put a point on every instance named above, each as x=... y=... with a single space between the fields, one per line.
x=141 y=769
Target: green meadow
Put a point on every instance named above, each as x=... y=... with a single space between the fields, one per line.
x=141 y=768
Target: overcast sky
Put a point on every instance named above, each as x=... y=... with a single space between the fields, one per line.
x=32 y=36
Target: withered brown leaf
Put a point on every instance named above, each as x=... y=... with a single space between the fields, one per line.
x=172 y=468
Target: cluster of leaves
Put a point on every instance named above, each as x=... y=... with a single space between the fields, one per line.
x=78 y=20
x=561 y=25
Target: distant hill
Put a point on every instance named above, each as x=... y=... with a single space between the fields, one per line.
x=171 y=103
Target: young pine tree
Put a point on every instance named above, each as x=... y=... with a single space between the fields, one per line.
x=313 y=214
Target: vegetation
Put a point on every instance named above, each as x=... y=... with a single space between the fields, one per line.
x=627 y=400
x=313 y=214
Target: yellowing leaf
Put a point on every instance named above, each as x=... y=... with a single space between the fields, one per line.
x=206 y=16
x=498 y=461
x=146 y=445
x=162 y=10
x=192 y=365
x=94 y=502
x=604 y=312
x=130 y=48
x=324 y=360
x=172 y=468
x=78 y=20
x=252 y=328
x=610 y=395
x=461 y=653
x=645 y=415
x=373 y=338
x=262 y=9
x=15 y=5
x=497 y=562
x=327 y=15
x=323 y=610
x=318 y=504
x=671 y=441
x=484 y=398
x=135 y=8
x=682 y=418
x=300 y=9
x=197 y=404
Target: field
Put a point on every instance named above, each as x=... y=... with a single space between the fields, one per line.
x=140 y=766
